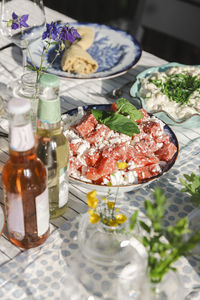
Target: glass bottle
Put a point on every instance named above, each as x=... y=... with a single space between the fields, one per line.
x=24 y=181
x=27 y=88
x=52 y=145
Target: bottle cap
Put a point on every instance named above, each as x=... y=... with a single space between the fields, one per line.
x=49 y=80
x=18 y=106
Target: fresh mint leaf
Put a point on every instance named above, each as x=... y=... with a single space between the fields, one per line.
x=128 y=109
x=116 y=122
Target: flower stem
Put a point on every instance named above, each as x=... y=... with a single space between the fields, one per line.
x=27 y=48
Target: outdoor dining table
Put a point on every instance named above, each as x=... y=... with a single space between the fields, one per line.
x=57 y=270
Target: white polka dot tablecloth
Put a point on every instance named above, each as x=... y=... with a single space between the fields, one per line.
x=57 y=270
x=40 y=274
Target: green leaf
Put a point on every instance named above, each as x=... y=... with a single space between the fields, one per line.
x=159 y=196
x=133 y=220
x=192 y=186
x=149 y=209
x=31 y=68
x=145 y=226
x=43 y=69
x=53 y=43
x=128 y=109
x=157 y=226
x=145 y=241
x=116 y=122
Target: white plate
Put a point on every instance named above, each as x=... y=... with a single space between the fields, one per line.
x=115 y=51
x=2 y=220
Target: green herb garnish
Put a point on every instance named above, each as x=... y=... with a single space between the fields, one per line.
x=192 y=186
x=127 y=109
x=163 y=253
x=178 y=87
x=122 y=120
x=116 y=122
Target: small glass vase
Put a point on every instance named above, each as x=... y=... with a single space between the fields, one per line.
x=103 y=244
x=134 y=284
x=170 y=288
x=27 y=88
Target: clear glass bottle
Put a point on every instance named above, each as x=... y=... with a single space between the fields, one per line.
x=52 y=145
x=24 y=180
x=27 y=88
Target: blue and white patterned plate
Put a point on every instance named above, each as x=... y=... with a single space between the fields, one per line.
x=114 y=50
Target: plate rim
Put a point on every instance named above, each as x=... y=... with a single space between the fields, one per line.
x=124 y=70
x=135 y=88
x=136 y=185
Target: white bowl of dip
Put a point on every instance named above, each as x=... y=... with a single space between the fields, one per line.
x=155 y=102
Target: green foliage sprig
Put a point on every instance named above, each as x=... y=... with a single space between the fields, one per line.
x=164 y=245
x=118 y=120
x=192 y=186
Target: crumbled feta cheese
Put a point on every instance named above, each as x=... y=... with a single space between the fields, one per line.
x=71 y=135
x=83 y=147
x=131 y=177
x=117 y=178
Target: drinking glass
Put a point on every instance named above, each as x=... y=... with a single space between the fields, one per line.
x=21 y=38
x=36 y=22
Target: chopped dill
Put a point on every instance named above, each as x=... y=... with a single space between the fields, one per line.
x=178 y=87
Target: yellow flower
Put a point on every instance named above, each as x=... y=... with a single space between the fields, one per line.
x=121 y=218
x=113 y=223
x=92 y=194
x=92 y=200
x=94 y=218
x=121 y=165
x=110 y=204
x=90 y=212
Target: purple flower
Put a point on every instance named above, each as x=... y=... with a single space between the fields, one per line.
x=69 y=34
x=51 y=32
x=19 y=22
x=60 y=33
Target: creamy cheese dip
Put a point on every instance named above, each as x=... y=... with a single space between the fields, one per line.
x=155 y=100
